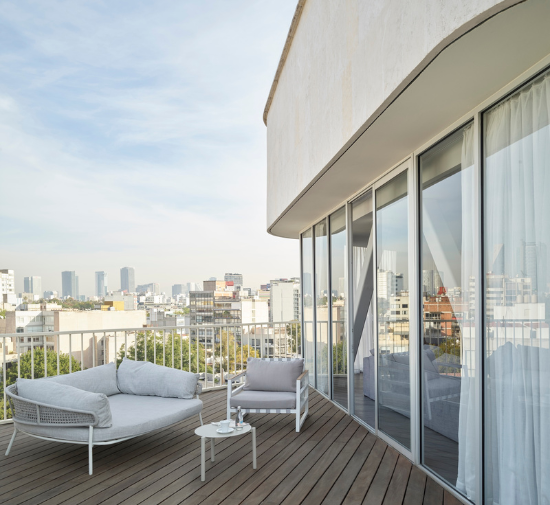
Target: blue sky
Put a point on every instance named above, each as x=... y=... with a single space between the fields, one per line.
x=131 y=134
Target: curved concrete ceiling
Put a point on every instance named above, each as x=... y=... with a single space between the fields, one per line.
x=461 y=77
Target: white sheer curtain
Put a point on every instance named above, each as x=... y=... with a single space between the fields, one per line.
x=467 y=424
x=517 y=359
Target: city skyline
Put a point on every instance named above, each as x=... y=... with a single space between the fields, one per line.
x=152 y=155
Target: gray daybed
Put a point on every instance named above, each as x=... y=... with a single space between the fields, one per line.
x=103 y=405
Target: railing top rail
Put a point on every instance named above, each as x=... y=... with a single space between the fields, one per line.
x=147 y=328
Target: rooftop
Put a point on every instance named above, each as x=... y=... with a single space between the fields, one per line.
x=333 y=460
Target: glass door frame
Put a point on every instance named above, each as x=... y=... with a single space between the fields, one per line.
x=407 y=164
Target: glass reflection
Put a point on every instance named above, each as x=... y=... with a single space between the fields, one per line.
x=307 y=303
x=517 y=296
x=338 y=274
x=448 y=282
x=364 y=385
x=321 y=309
x=392 y=255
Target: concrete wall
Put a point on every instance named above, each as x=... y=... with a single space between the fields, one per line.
x=346 y=62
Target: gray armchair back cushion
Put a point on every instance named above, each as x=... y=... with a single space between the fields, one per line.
x=147 y=379
x=267 y=375
x=60 y=395
x=100 y=379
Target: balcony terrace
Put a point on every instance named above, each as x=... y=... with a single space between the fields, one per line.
x=332 y=460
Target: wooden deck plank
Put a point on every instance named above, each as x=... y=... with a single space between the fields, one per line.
x=296 y=466
x=332 y=460
x=433 y=495
x=366 y=474
x=274 y=456
x=415 y=487
x=381 y=481
x=354 y=453
x=398 y=484
x=321 y=457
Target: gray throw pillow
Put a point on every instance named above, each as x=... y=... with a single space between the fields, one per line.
x=100 y=379
x=265 y=375
x=60 y=395
x=147 y=379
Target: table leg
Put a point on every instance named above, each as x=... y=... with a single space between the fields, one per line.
x=254 y=448
x=212 y=451
x=203 y=450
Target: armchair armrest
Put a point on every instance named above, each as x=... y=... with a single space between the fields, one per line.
x=37 y=413
x=238 y=376
x=303 y=376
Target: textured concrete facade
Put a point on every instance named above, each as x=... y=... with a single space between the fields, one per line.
x=347 y=61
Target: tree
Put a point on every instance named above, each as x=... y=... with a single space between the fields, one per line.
x=170 y=349
x=34 y=360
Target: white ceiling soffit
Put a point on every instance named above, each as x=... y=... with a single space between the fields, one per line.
x=462 y=76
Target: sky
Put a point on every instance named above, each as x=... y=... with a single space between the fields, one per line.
x=131 y=134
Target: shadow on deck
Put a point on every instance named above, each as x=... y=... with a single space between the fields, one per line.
x=333 y=460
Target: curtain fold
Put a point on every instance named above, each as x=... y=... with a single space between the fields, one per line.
x=517 y=355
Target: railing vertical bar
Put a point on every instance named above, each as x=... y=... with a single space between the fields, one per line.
x=45 y=355
x=82 y=351
x=32 y=360
x=104 y=348
x=163 y=347
x=136 y=342
x=93 y=349
x=126 y=344
x=71 y=353
x=4 y=375
x=205 y=360
x=172 y=338
x=58 y=351
x=145 y=344
x=116 y=349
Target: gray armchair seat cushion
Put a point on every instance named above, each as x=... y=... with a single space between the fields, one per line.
x=132 y=416
x=273 y=375
x=61 y=395
x=264 y=400
x=147 y=379
x=100 y=379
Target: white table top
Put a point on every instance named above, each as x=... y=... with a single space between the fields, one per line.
x=209 y=431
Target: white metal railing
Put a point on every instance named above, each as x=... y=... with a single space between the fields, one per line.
x=216 y=352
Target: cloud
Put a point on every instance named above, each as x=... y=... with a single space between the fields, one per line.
x=131 y=133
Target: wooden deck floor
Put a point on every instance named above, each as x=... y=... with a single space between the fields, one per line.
x=333 y=460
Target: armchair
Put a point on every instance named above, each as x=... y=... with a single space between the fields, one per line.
x=272 y=386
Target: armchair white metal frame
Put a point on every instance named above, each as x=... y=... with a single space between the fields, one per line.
x=29 y=412
x=302 y=397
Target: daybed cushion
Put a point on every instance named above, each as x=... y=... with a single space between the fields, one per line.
x=132 y=416
x=61 y=395
x=263 y=400
x=147 y=379
x=100 y=379
x=267 y=375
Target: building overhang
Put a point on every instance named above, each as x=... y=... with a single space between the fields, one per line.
x=446 y=87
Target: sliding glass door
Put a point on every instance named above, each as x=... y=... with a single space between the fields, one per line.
x=338 y=301
x=321 y=307
x=362 y=319
x=392 y=304
x=447 y=357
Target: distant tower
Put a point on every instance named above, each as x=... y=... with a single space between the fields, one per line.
x=101 y=284
x=68 y=284
x=128 y=279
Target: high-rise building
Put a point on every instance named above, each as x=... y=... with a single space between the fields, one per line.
x=69 y=284
x=128 y=279
x=77 y=288
x=152 y=287
x=179 y=289
x=7 y=286
x=282 y=300
x=33 y=285
x=193 y=286
x=237 y=280
x=101 y=286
